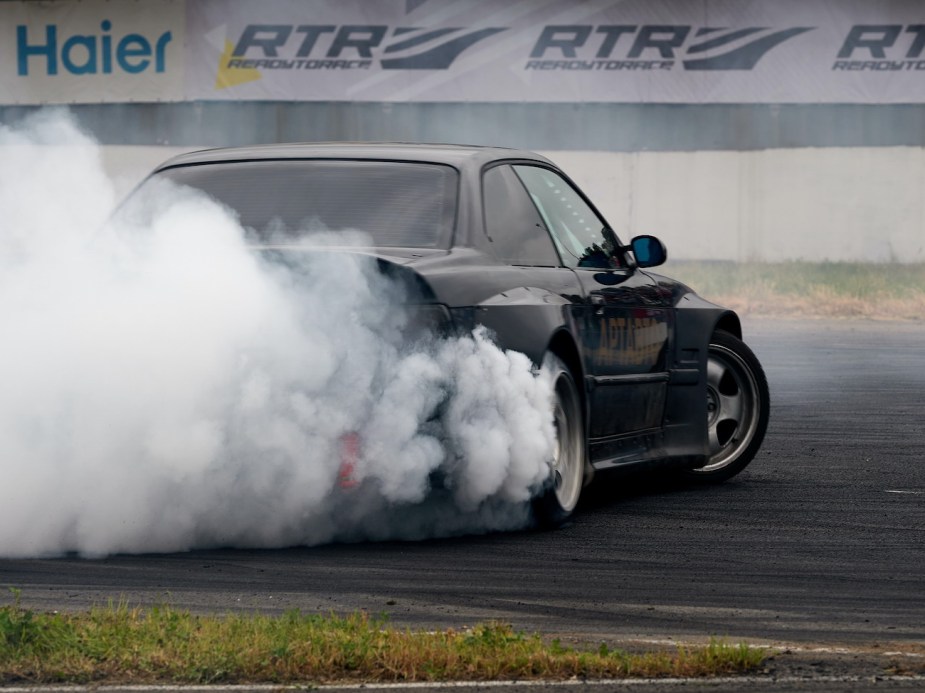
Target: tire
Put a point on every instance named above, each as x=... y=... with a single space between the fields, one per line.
x=560 y=495
x=738 y=406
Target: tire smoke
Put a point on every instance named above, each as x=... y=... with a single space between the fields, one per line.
x=166 y=387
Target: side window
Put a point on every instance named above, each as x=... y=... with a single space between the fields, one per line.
x=576 y=229
x=515 y=229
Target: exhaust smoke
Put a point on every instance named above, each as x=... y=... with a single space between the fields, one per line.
x=165 y=387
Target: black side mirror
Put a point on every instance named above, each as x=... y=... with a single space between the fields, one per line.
x=649 y=251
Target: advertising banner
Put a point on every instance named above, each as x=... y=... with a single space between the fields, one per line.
x=607 y=51
x=92 y=51
x=629 y=51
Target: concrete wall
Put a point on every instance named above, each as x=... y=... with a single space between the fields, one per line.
x=591 y=127
x=840 y=204
x=852 y=204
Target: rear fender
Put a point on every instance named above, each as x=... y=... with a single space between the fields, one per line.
x=524 y=319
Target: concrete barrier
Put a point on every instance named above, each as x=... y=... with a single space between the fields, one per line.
x=836 y=204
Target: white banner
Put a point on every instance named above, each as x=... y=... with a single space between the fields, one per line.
x=614 y=51
x=91 y=51
x=634 y=51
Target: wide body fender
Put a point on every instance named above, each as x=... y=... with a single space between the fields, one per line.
x=685 y=423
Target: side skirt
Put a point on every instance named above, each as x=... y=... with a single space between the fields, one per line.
x=640 y=450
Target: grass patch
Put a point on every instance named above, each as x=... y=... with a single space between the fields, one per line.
x=802 y=289
x=119 y=644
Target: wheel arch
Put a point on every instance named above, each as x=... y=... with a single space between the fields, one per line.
x=729 y=322
x=562 y=344
x=686 y=403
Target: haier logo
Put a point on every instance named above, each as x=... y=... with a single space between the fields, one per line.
x=88 y=54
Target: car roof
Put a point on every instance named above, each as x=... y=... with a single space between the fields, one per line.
x=457 y=155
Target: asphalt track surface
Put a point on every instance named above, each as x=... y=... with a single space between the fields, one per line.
x=820 y=543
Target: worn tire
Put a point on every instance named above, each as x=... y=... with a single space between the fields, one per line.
x=560 y=495
x=738 y=406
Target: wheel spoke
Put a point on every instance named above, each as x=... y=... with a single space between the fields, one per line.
x=713 y=441
x=715 y=372
x=731 y=407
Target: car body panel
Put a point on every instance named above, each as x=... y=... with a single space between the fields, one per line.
x=636 y=340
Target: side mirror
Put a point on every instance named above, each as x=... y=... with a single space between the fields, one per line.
x=649 y=251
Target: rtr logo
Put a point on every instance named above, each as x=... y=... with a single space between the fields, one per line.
x=882 y=48
x=330 y=47
x=84 y=54
x=653 y=47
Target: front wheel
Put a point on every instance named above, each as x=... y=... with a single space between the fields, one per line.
x=738 y=406
x=566 y=478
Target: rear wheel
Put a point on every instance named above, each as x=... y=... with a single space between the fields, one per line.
x=738 y=405
x=563 y=488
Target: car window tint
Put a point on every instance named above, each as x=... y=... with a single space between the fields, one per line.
x=576 y=228
x=399 y=204
x=515 y=229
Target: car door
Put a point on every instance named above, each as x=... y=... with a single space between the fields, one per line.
x=625 y=324
x=532 y=294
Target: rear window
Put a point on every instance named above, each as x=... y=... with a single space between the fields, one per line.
x=399 y=204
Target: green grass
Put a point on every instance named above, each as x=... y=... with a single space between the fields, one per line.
x=801 y=289
x=119 y=644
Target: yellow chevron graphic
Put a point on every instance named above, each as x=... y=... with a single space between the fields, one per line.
x=231 y=77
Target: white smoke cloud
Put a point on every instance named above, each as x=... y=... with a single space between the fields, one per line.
x=164 y=387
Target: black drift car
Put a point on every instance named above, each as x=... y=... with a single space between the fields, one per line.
x=646 y=372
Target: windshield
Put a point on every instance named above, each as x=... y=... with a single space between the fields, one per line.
x=398 y=204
